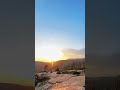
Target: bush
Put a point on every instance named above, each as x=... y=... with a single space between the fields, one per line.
x=76 y=73
x=58 y=72
x=64 y=72
x=57 y=69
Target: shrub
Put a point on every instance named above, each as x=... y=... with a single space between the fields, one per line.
x=58 y=72
x=76 y=73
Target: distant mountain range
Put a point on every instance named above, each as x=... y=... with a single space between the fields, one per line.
x=61 y=64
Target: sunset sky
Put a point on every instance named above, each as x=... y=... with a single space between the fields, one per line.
x=60 y=24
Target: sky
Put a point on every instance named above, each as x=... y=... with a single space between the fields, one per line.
x=60 y=23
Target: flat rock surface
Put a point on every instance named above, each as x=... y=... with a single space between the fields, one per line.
x=63 y=82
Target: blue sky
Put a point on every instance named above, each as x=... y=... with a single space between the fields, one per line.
x=60 y=23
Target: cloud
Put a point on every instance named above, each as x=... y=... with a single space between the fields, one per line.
x=73 y=53
x=68 y=54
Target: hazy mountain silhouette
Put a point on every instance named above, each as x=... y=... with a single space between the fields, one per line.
x=39 y=66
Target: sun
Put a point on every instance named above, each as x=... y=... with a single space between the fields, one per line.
x=49 y=54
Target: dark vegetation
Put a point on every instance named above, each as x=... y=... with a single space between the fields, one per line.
x=76 y=73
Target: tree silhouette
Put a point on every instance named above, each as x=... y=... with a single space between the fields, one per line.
x=46 y=68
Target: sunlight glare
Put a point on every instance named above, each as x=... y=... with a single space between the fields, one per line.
x=49 y=53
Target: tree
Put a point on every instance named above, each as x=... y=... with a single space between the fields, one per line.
x=46 y=68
